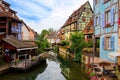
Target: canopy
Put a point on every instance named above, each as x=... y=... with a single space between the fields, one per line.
x=113 y=55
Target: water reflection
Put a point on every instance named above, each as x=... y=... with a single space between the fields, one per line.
x=31 y=75
x=53 y=69
x=52 y=72
x=72 y=70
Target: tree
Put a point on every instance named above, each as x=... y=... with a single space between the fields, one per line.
x=89 y=44
x=42 y=41
x=77 y=44
x=44 y=33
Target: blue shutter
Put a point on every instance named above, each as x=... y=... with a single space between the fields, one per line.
x=112 y=16
x=19 y=30
x=99 y=19
x=112 y=46
x=94 y=21
x=103 y=20
x=94 y=2
x=103 y=43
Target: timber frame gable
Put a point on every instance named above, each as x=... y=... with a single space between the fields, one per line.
x=78 y=20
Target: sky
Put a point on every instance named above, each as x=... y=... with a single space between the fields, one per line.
x=45 y=14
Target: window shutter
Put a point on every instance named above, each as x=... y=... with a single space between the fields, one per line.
x=94 y=2
x=112 y=16
x=94 y=21
x=99 y=19
x=112 y=46
x=103 y=43
x=103 y=20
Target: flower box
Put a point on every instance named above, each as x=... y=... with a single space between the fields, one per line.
x=108 y=25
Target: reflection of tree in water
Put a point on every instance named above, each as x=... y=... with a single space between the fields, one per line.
x=64 y=68
x=65 y=71
x=31 y=75
x=72 y=70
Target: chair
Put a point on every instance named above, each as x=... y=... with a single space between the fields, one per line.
x=112 y=74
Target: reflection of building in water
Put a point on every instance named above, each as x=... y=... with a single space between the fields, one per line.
x=65 y=71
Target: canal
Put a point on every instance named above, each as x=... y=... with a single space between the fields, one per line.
x=52 y=69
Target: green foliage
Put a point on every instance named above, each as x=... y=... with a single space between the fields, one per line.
x=1 y=60
x=98 y=43
x=44 y=33
x=64 y=43
x=89 y=44
x=56 y=50
x=42 y=41
x=78 y=43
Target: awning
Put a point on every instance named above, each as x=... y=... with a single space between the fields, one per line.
x=26 y=48
x=113 y=55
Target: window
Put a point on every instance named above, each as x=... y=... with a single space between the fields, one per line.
x=89 y=36
x=107 y=17
x=97 y=21
x=83 y=19
x=107 y=42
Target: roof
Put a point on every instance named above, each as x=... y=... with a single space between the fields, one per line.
x=53 y=35
x=17 y=43
x=89 y=29
x=75 y=15
x=4 y=2
x=8 y=13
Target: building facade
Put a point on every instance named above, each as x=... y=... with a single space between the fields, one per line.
x=9 y=21
x=17 y=40
x=27 y=32
x=106 y=26
x=77 y=21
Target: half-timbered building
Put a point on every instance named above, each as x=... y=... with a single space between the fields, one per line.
x=77 y=21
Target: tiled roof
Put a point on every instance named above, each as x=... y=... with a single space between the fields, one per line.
x=9 y=14
x=4 y=2
x=89 y=29
x=53 y=35
x=75 y=15
x=17 y=43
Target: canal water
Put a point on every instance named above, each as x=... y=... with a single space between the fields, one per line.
x=53 y=69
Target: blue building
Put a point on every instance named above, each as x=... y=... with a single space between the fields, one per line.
x=106 y=26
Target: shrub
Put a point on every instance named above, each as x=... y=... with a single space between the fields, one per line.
x=65 y=43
